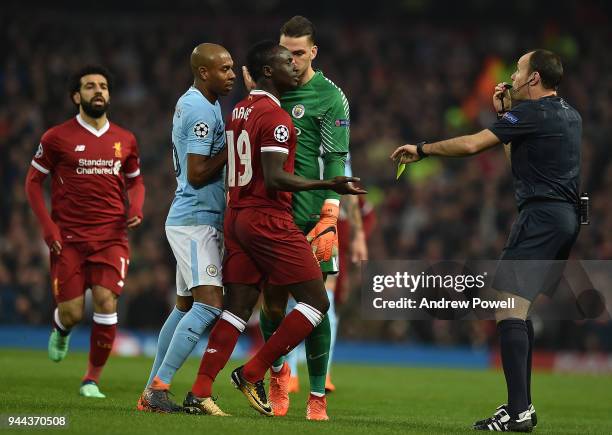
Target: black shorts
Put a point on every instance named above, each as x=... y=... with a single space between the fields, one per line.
x=543 y=231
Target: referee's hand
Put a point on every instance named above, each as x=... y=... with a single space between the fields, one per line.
x=406 y=154
x=501 y=98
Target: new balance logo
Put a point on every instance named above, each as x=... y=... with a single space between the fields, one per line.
x=79 y=148
x=211 y=350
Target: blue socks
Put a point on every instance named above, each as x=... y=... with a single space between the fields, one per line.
x=163 y=341
x=186 y=336
x=333 y=325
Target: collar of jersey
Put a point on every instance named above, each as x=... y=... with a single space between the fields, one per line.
x=268 y=94
x=92 y=130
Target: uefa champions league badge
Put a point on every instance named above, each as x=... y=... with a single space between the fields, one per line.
x=298 y=111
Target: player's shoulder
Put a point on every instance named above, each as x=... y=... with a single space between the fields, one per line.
x=193 y=101
x=327 y=88
x=266 y=104
x=55 y=133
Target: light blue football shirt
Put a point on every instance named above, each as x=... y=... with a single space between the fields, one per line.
x=197 y=128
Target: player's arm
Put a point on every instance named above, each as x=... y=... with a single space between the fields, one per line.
x=34 y=192
x=135 y=186
x=204 y=162
x=275 y=177
x=335 y=141
x=359 y=247
x=201 y=169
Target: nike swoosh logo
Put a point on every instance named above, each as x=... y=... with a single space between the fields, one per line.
x=317 y=357
x=193 y=332
x=327 y=230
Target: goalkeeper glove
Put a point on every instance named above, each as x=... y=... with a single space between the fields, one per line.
x=324 y=236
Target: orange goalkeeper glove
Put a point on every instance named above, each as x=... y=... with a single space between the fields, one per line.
x=324 y=236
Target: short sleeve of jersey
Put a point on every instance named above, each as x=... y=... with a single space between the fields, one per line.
x=46 y=155
x=276 y=129
x=515 y=124
x=335 y=125
x=199 y=125
x=131 y=168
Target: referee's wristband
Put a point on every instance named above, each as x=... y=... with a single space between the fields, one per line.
x=422 y=154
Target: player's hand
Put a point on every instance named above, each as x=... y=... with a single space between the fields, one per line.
x=501 y=93
x=344 y=186
x=359 y=248
x=406 y=154
x=56 y=247
x=134 y=221
x=249 y=83
x=323 y=238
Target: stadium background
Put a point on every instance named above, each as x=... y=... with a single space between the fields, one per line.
x=411 y=70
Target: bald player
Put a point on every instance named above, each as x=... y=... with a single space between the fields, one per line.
x=194 y=226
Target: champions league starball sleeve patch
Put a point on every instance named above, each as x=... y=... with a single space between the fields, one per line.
x=281 y=133
x=200 y=129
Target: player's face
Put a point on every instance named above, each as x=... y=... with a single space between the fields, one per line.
x=285 y=74
x=93 y=96
x=221 y=76
x=303 y=51
x=520 y=78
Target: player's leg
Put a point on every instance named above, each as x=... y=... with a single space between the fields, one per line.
x=182 y=306
x=103 y=332
x=105 y=271
x=68 y=285
x=239 y=301
x=199 y=261
x=331 y=284
x=293 y=357
x=312 y=303
x=241 y=279
x=271 y=315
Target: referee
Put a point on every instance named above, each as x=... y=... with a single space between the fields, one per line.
x=541 y=134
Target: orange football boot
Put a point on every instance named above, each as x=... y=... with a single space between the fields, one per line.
x=316 y=408
x=279 y=390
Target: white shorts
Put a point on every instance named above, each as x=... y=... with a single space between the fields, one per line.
x=199 y=254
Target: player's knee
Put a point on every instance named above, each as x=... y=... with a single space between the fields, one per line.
x=70 y=316
x=275 y=313
x=107 y=305
x=321 y=304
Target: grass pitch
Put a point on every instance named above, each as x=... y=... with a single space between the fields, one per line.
x=369 y=400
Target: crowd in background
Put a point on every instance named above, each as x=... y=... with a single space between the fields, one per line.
x=406 y=80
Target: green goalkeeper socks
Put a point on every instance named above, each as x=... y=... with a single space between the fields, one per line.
x=317 y=355
x=268 y=327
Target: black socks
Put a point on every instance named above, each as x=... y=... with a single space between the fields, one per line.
x=514 y=343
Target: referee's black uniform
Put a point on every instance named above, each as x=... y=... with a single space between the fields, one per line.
x=545 y=135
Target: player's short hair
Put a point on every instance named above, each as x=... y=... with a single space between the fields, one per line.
x=260 y=55
x=548 y=65
x=299 y=26
x=75 y=79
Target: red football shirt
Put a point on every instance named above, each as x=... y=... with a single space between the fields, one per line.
x=257 y=125
x=88 y=169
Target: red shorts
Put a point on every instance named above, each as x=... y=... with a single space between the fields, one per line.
x=82 y=265
x=262 y=247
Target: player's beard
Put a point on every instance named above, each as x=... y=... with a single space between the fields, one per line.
x=94 y=111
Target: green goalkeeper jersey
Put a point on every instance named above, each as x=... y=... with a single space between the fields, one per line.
x=320 y=113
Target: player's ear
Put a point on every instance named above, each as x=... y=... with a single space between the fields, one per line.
x=313 y=51
x=76 y=98
x=535 y=78
x=203 y=72
x=267 y=71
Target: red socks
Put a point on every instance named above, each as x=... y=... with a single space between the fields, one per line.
x=221 y=343
x=103 y=333
x=294 y=328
